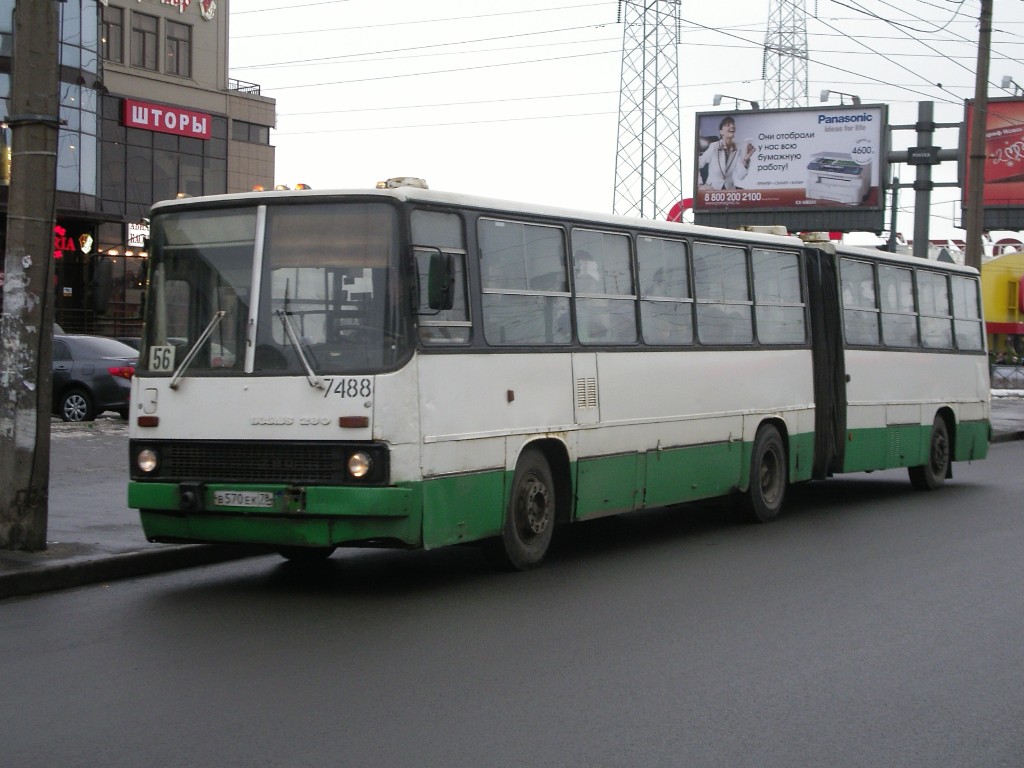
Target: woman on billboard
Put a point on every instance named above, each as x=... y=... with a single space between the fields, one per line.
x=722 y=163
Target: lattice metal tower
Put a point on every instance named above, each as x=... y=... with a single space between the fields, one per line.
x=785 y=55
x=648 y=160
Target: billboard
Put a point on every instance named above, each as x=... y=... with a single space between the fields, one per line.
x=1003 y=189
x=799 y=167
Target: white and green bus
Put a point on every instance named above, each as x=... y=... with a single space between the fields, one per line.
x=410 y=368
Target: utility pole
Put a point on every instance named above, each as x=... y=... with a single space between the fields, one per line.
x=26 y=328
x=976 y=150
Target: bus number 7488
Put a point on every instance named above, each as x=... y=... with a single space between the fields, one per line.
x=348 y=387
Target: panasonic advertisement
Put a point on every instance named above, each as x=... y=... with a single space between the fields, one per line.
x=825 y=159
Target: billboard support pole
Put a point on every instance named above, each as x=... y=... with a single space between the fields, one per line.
x=923 y=181
x=891 y=245
x=923 y=156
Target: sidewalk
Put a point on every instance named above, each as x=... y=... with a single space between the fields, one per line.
x=93 y=537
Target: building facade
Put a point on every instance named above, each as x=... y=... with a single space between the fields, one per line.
x=148 y=113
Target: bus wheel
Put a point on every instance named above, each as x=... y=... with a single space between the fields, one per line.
x=930 y=476
x=305 y=555
x=768 y=476
x=530 y=517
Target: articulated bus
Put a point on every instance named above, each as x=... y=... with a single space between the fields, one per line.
x=409 y=368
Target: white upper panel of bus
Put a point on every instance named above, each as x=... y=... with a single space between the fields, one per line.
x=511 y=208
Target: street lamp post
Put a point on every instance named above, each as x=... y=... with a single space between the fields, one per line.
x=719 y=96
x=828 y=92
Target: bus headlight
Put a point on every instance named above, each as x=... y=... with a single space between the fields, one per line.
x=146 y=460
x=359 y=464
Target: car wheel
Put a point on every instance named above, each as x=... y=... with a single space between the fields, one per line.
x=76 y=405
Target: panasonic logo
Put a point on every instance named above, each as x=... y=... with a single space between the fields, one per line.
x=863 y=117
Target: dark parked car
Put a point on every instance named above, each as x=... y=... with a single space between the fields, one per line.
x=91 y=374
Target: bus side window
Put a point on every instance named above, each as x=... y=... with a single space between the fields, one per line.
x=967 y=313
x=936 y=318
x=525 y=289
x=722 y=290
x=899 y=319
x=443 y=232
x=604 y=287
x=666 y=302
x=778 y=297
x=860 y=310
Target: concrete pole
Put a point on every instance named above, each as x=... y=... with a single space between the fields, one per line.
x=923 y=181
x=26 y=328
x=976 y=150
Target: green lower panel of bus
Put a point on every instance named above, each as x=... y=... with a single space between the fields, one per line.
x=907 y=445
x=448 y=510
x=611 y=484
x=463 y=507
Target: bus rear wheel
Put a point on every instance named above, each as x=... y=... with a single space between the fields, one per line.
x=768 y=476
x=930 y=476
x=530 y=515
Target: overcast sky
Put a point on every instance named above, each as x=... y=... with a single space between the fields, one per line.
x=519 y=99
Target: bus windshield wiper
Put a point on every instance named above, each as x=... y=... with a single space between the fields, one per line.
x=286 y=321
x=214 y=322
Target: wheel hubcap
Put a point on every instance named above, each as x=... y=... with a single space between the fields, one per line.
x=770 y=476
x=940 y=453
x=75 y=408
x=533 y=508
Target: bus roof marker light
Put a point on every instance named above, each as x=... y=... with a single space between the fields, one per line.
x=402 y=181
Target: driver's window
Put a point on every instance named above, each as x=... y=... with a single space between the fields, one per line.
x=433 y=233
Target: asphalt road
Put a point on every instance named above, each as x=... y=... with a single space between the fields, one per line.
x=870 y=626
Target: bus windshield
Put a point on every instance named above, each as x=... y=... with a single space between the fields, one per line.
x=325 y=277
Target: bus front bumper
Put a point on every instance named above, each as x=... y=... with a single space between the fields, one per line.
x=277 y=515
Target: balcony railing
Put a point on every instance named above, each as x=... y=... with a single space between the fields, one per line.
x=243 y=87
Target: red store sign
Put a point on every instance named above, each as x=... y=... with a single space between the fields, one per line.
x=164 y=119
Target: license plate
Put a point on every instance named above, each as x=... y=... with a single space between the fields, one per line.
x=243 y=499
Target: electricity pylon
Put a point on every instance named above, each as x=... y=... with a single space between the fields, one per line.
x=785 y=55
x=648 y=161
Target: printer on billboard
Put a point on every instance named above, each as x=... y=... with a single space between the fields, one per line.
x=837 y=176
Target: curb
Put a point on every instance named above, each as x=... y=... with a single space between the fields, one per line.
x=34 y=580
x=1007 y=437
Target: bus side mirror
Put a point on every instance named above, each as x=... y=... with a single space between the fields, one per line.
x=440 y=282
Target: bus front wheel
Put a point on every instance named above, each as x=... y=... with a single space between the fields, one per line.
x=930 y=476
x=768 y=475
x=530 y=515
